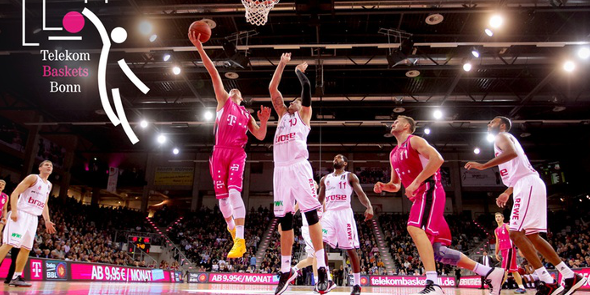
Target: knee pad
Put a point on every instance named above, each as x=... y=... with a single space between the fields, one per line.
x=237 y=204
x=445 y=255
x=312 y=217
x=225 y=207
x=286 y=222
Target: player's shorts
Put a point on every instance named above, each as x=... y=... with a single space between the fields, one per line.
x=529 y=212
x=293 y=181
x=227 y=169
x=20 y=233
x=339 y=229
x=427 y=213
x=509 y=259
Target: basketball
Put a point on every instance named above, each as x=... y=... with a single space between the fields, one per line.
x=201 y=27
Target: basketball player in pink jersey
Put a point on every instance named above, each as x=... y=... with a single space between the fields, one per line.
x=416 y=165
x=529 y=212
x=293 y=177
x=505 y=250
x=3 y=204
x=232 y=121
x=338 y=224
x=27 y=202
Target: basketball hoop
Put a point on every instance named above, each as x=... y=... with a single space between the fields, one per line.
x=257 y=11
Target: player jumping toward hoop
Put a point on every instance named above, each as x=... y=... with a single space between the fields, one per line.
x=228 y=159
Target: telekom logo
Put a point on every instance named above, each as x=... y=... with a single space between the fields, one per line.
x=36 y=269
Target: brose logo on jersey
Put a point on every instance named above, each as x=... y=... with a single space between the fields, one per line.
x=337 y=198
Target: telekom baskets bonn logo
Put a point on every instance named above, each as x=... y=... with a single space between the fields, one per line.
x=73 y=22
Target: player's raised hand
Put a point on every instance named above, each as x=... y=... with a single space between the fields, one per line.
x=285 y=58
x=474 y=165
x=369 y=214
x=378 y=187
x=50 y=227
x=264 y=114
x=194 y=37
x=302 y=67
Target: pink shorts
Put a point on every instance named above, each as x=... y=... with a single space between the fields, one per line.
x=427 y=213
x=227 y=169
x=509 y=258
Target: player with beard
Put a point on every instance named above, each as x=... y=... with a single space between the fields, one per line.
x=338 y=224
x=529 y=212
x=416 y=165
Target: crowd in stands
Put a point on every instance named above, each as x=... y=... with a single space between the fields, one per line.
x=372 y=174
x=204 y=237
x=570 y=236
x=83 y=234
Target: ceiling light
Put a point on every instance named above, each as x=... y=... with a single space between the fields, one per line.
x=145 y=27
x=176 y=70
x=143 y=123
x=208 y=115
x=161 y=138
x=584 y=52
x=558 y=108
x=476 y=151
x=434 y=19
x=153 y=37
x=175 y=151
x=490 y=137
x=426 y=131
x=437 y=114
x=489 y=32
x=569 y=66
x=496 y=21
x=399 y=110
x=166 y=57
x=467 y=67
x=525 y=134
x=475 y=52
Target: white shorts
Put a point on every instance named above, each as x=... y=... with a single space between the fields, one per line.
x=20 y=233
x=529 y=211
x=339 y=229
x=294 y=182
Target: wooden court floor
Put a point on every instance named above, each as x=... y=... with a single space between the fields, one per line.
x=180 y=288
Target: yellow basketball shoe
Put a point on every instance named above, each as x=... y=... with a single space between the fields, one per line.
x=238 y=249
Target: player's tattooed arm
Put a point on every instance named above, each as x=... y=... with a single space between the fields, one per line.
x=276 y=96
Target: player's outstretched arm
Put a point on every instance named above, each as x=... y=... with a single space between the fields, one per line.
x=305 y=93
x=276 y=96
x=508 y=153
x=394 y=184
x=356 y=186
x=259 y=131
x=220 y=94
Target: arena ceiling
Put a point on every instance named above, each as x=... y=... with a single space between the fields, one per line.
x=518 y=74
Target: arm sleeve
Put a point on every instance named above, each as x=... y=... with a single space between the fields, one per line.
x=305 y=89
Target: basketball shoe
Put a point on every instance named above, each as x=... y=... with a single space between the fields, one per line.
x=238 y=249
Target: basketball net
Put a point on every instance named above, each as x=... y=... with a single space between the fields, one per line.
x=257 y=11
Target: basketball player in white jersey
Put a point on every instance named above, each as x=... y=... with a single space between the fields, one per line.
x=529 y=212
x=21 y=227
x=293 y=176
x=338 y=224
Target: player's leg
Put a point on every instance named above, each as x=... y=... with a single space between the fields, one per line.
x=283 y=210
x=13 y=254
x=512 y=267
x=356 y=270
x=235 y=181
x=8 y=239
x=218 y=171
x=29 y=224
x=305 y=193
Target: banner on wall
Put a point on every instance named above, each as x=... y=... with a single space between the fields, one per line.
x=484 y=178
x=174 y=176
x=113 y=177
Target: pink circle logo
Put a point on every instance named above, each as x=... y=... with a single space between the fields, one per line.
x=73 y=22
